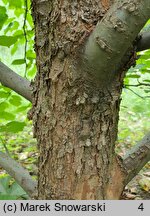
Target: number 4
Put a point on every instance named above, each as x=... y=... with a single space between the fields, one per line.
x=141 y=207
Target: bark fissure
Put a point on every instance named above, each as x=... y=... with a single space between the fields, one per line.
x=75 y=120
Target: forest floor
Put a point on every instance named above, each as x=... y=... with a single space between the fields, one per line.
x=138 y=188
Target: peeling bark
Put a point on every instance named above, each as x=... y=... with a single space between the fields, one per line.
x=75 y=121
x=116 y=183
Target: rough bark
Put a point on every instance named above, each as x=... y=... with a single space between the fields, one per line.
x=75 y=120
x=15 y=82
x=130 y=165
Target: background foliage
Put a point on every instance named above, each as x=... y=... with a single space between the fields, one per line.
x=17 y=52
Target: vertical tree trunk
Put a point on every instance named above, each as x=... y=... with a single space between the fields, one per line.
x=75 y=120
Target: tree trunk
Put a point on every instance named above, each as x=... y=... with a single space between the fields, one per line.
x=75 y=119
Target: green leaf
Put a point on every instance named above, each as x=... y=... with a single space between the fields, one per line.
x=30 y=20
x=146 y=80
x=14 y=127
x=8 y=197
x=138 y=108
x=5 y=2
x=6 y=115
x=126 y=81
x=4 y=94
x=3 y=106
x=144 y=57
x=3 y=16
x=10 y=190
x=15 y=4
x=18 y=61
x=19 y=33
x=133 y=76
x=31 y=54
x=145 y=70
x=14 y=48
x=5 y=88
x=16 y=190
x=32 y=71
x=146 y=90
x=12 y=26
x=4 y=184
x=7 y=40
x=19 y=11
x=22 y=108
x=15 y=100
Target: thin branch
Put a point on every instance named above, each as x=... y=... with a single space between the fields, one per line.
x=21 y=175
x=25 y=35
x=137 y=85
x=144 y=42
x=134 y=92
x=136 y=158
x=5 y=146
x=15 y=82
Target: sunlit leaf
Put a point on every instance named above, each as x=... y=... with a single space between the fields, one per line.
x=5 y=2
x=14 y=49
x=4 y=94
x=146 y=80
x=13 y=127
x=30 y=21
x=8 y=90
x=31 y=54
x=12 y=26
x=3 y=16
x=15 y=4
x=6 y=115
x=18 y=61
x=19 y=12
x=3 y=106
x=144 y=70
x=7 y=40
x=133 y=76
x=22 y=108
x=32 y=71
x=15 y=100
x=19 y=33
